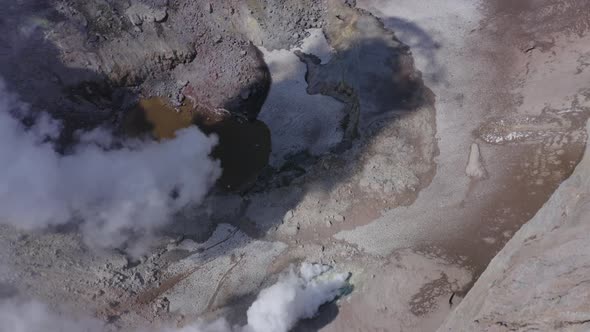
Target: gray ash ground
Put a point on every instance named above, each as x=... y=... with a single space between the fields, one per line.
x=385 y=196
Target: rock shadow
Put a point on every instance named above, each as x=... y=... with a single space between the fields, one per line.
x=372 y=73
x=326 y=314
x=386 y=102
x=33 y=67
x=421 y=43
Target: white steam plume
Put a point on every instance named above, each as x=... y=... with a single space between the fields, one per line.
x=136 y=188
x=294 y=297
x=18 y=316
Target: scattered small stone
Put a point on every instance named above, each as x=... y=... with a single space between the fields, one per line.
x=160 y=15
x=243 y=53
x=489 y=240
x=162 y=304
x=177 y=240
x=338 y=218
x=288 y=216
x=139 y=278
x=210 y=8
x=217 y=39
x=169 y=55
x=475 y=168
x=97 y=294
x=135 y=19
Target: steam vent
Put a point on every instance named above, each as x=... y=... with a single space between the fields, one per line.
x=294 y=165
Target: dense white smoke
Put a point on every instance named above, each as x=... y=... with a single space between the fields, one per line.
x=294 y=297
x=16 y=316
x=135 y=188
x=277 y=309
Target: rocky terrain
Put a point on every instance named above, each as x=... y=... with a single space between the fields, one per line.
x=538 y=280
x=404 y=142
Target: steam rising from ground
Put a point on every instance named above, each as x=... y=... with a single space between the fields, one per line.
x=294 y=297
x=35 y=317
x=277 y=309
x=112 y=193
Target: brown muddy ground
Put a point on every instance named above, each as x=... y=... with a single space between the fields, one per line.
x=393 y=204
x=540 y=151
x=244 y=146
x=495 y=67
